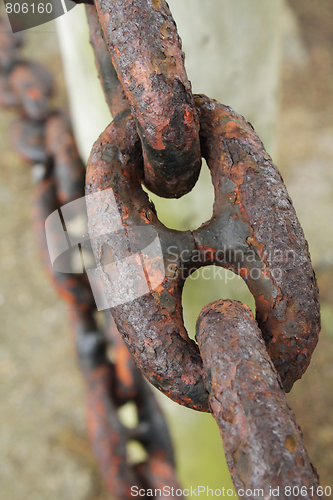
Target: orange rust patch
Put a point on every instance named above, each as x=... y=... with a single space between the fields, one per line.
x=124 y=373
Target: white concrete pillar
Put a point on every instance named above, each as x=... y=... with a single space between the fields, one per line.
x=232 y=54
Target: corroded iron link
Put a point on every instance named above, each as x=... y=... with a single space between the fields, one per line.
x=255 y=232
x=44 y=137
x=262 y=441
x=240 y=366
x=241 y=236
x=9 y=43
x=152 y=324
x=146 y=51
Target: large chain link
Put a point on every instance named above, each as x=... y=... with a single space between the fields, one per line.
x=254 y=231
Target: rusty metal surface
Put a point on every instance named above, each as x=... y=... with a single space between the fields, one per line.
x=146 y=51
x=262 y=441
x=255 y=225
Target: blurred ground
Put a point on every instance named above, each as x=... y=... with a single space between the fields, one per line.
x=44 y=453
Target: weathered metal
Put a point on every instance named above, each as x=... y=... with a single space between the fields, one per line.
x=146 y=51
x=255 y=225
x=241 y=236
x=263 y=444
x=109 y=384
x=266 y=247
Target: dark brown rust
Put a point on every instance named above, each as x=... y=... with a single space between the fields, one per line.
x=262 y=441
x=146 y=51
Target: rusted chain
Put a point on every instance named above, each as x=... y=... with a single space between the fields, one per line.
x=44 y=137
x=254 y=232
x=263 y=444
x=152 y=325
x=241 y=236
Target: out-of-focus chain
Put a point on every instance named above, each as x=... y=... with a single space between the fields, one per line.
x=43 y=137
